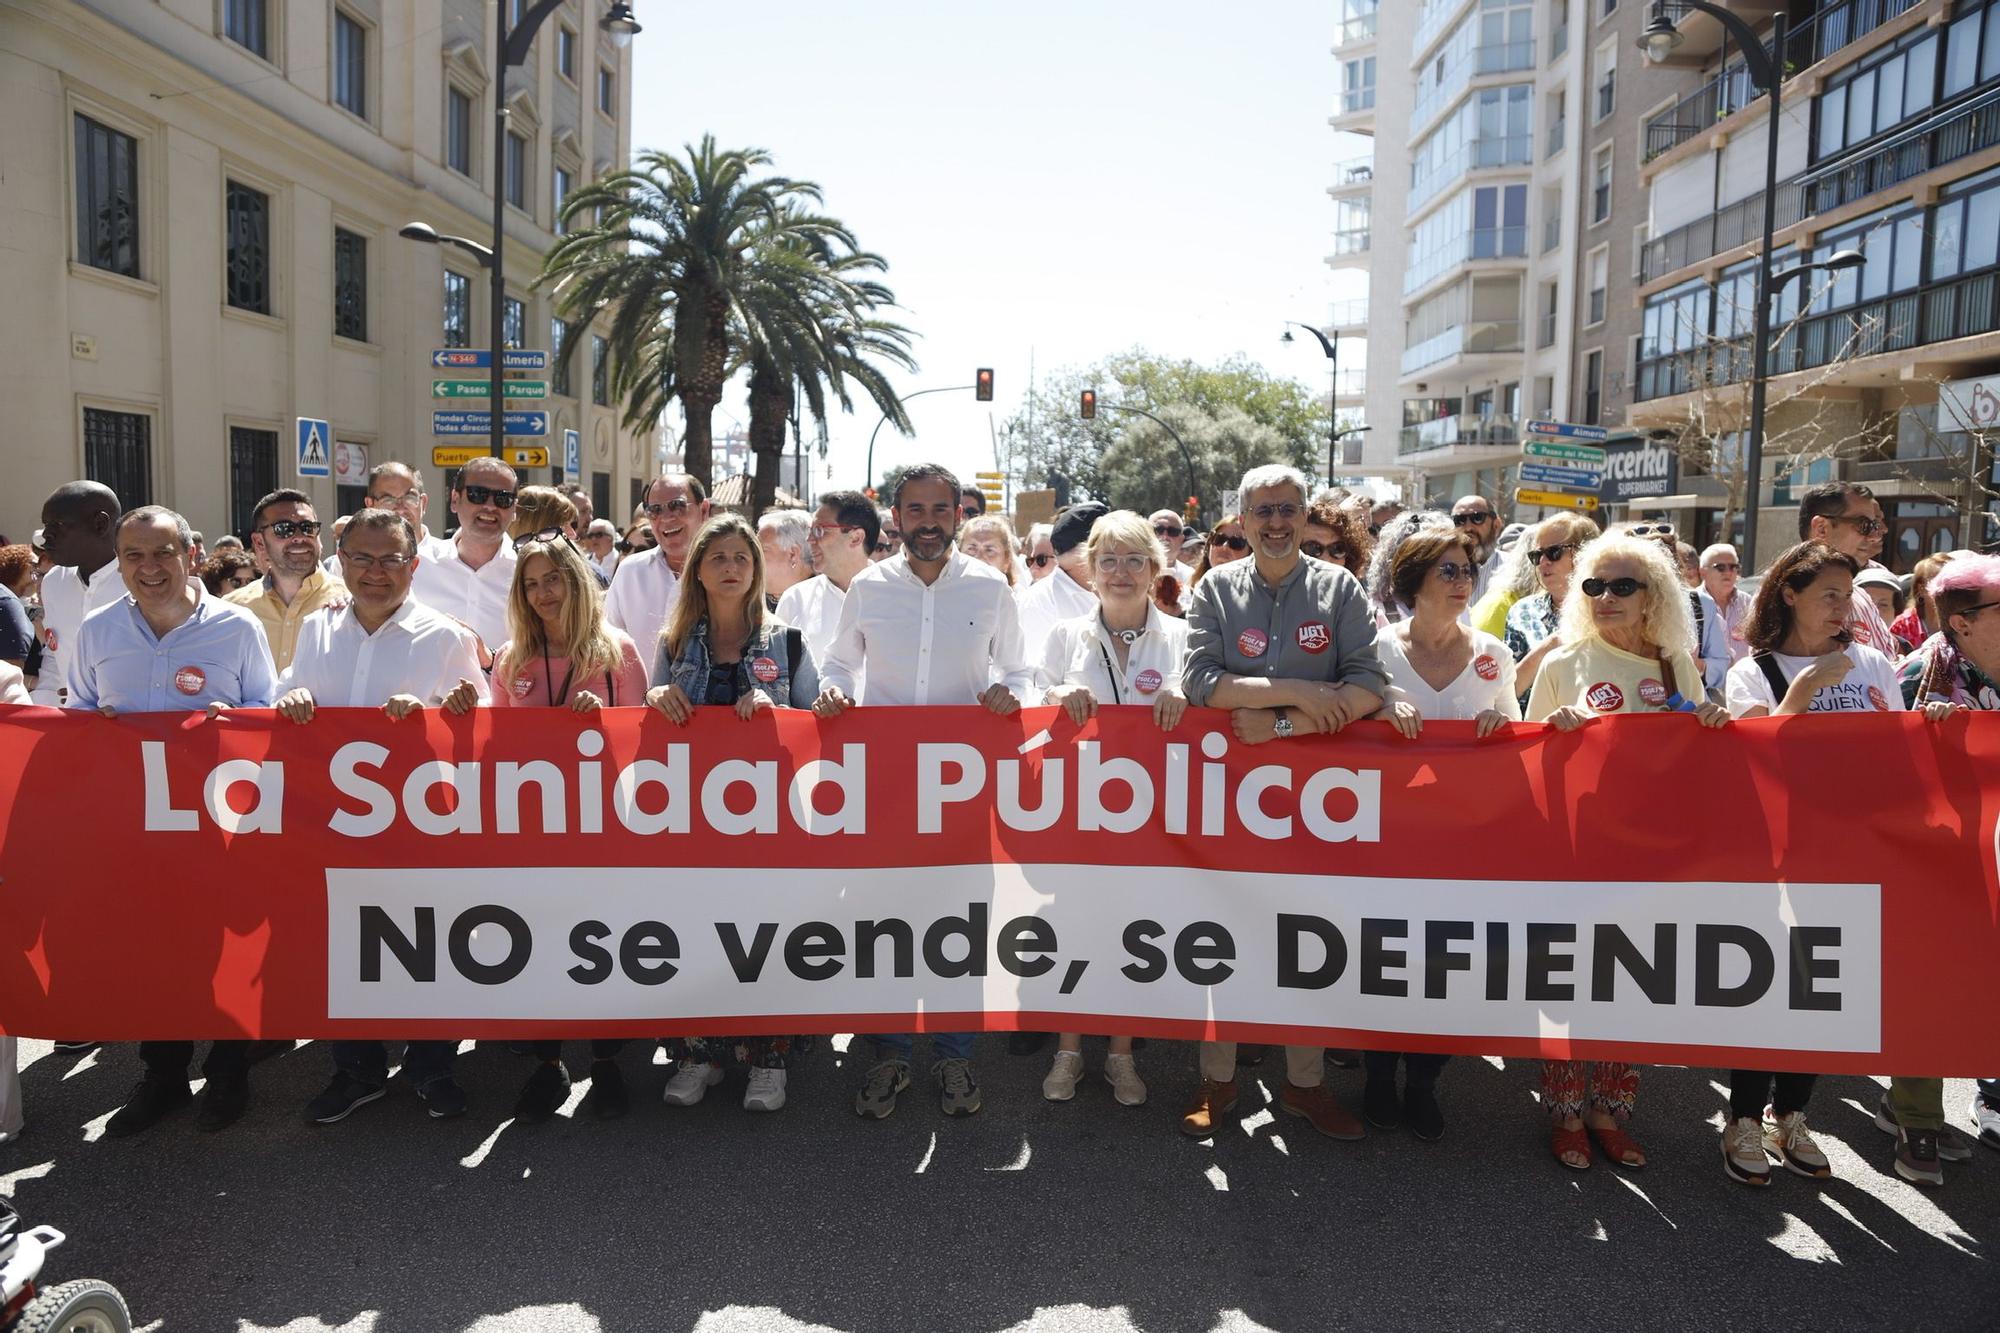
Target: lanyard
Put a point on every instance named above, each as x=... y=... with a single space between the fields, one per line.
x=1116 y=696
x=548 y=675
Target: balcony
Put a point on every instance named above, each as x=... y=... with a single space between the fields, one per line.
x=1729 y=91
x=1432 y=20
x=1351 y=383
x=1348 y=315
x=1353 y=174
x=1350 y=249
x=1495 y=58
x=1545 y=331
x=1552 y=233
x=1353 y=31
x=1476 y=339
x=1479 y=432
x=1357 y=99
x=1480 y=243
x=1508 y=151
x=1557 y=128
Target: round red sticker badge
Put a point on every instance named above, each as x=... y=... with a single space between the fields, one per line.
x=1484 y=667
x=1652 y=691
x=521 y=687
x=1147 y=681
x=1252 y=642
x=1605 y=697
x=1875 y=697
x=764 y=669
x=189 y=680
x=1314 y=636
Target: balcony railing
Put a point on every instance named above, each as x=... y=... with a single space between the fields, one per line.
x=1473 y=339
x=1431 y=21
x=1357 y=99
x=1730 y=90
x=1354 y=171
x=1516 y=150
x=1480 y=243
x=1545 y=330
x=1495 y=58
x=1445 y=432
x=1945 y=137
x=1360 y=28
x=1348 y=314
x=1552 y=233
x=1557 y=127
x=1559 y=41
x=1351 y=382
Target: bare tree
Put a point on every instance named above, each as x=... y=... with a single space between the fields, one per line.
x=1949 y=453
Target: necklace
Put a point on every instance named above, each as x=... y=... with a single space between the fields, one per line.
x=1128 y=637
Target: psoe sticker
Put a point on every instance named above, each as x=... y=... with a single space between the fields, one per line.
x=1315 y=636
x=764 y=669
x=522 y=685
x=1252 y=642
x=1875 y=697
x=1148 y=681
x=1484 y=667
x=189 y=680
x=1652 y=691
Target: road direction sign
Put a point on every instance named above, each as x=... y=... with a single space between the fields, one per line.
x=572 y=455
x=1557 y=453
x=1550 y=477
x=480 y=423
x=517 y=455
x=481 y=388
x=1569 y=430
x=315 y=448
x=1555 y=500
x=479 y=358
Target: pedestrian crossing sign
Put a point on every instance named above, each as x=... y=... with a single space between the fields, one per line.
x=315 y=448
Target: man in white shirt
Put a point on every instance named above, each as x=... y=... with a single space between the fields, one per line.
x=1167 y=526
x=1722 y=609
x=1475 y=517
x=600 y=544
x=168 y=646
x=1845 y=516
x=929 y=626
x=643 y=591
x=470 y=576
x=783 y=534
x=1065 y=594
x=77 y=521
x=383 y=650
x=842 y=536
x=399 y=488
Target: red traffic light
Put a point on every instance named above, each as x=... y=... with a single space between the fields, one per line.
x=982 y=385
x=1088 y=407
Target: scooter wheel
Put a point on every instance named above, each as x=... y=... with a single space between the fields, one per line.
x=83 y=1306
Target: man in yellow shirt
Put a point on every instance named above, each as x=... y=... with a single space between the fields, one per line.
x=285 y=532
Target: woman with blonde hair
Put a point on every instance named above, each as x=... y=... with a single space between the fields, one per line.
x=1626 y=631
x=989 y=539
x=721 y=650
x=540 y=508
x=562 y=653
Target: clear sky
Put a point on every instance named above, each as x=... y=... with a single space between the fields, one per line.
x=1066 y=180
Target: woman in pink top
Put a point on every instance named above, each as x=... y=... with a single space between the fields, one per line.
x=562 y=653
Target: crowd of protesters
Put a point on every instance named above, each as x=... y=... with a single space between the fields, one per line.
x=1300 y=615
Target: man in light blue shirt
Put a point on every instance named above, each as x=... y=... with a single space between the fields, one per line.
x=168 y=646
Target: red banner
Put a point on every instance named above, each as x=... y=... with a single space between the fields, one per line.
x=1811 y=893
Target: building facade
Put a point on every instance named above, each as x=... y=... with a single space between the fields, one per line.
x=202 y=205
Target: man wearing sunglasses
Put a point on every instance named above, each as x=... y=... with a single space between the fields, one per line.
x=1288 y=645
x=1846 y=516
x=1719 y=612
x=77 y=522
x=470 y=578
x=1475 y=518
x=285 y=532
x=1167 y=526
x=842 y=538
x=647 y=583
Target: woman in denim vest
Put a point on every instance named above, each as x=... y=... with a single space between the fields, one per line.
x=721 y=649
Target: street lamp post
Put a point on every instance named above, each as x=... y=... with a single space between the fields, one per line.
x=1338 y=437
x=869 y=478
x=1194 y=486
x=1332 y=349
x=510 y=48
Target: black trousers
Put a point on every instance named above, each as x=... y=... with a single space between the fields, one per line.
x=1420 y=1071
x=170 y=1059
x=1750 y=1088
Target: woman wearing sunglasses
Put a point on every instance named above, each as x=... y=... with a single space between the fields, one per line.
x=1040 y=555
x=1625 y=649
x=721 y=650
x=1226 y=542
x=562 y=653
x=1126 y=652
x=1334 y=533
x=1534 y=623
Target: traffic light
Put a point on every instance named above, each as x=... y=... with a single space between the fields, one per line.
x=993 y=485
x=1088 y=407
x=982 y=385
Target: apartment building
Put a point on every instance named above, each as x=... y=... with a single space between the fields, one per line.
x=202 y=202
x=1889 y=145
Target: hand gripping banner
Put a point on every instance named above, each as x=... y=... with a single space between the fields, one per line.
x=1811 y=893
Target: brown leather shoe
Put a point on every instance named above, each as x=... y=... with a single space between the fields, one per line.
x=1322 y=1111
x=1212 y=1101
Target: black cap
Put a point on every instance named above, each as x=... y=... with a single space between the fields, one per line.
x=1073 y=528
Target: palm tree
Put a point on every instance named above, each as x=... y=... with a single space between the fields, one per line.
x=666 y=255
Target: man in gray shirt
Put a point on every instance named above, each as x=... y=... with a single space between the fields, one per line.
x=1288 y=645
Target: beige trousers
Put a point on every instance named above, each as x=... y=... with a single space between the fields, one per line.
x=1305 y=1066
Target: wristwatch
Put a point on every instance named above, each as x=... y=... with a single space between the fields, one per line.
x=1283 y=726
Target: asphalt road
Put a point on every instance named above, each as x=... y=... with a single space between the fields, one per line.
x=1083 y=1218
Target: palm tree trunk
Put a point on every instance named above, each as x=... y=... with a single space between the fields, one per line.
x=704 y=370
x=770 y=408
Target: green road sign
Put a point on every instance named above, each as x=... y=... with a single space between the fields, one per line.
x=1568 y=455
x=480 y=388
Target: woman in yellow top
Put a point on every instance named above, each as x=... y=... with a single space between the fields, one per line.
x=1626 y=606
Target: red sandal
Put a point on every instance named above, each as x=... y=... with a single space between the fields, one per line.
x=1577 y=1141
x=1618 y=1146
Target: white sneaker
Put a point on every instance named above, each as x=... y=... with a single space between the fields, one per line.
x=1123 y=1076
x=1743 y=1158
x=766 y=1091
x=691 y=1081
x=1060 y=1085
x=1787 y=1139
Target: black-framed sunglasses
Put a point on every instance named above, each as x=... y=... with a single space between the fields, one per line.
x=1041 y=561
x=1323 y=550
x=1976 y=609
x=1467 y=520
x=888 y=546
x=552 y=535
x=1165 y=533
x=1653 y=530
x=287 y=528
x=678 y=505
x=1863 y=524
x=1450 y=571
x=1729 y=568
x=493 y=495
x=1620 y=588
x=1233 y=543
x=1550 y=554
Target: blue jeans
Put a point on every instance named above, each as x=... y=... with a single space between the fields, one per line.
x=368 y=1061
x=946 y=1045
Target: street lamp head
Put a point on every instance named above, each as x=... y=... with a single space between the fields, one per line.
x=419 y=231
x=1286 y=336
x=1842 y=260
x=620 y=24
x=1660 y=36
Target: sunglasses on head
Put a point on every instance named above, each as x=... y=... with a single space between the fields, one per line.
x=1233 y=543
x=287 y=528
x=1323 y=550
x=1551 y=554
x=552 y=535
x=1616 y=587
x=1467 y=520
x=492 y=495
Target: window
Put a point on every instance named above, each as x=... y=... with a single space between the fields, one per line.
x=1600 y=270
x=559 y=334
x=1600 y=184
x=566 y=52
x=1869 y=99
x=118 y=451
x=253 y=474
x=517 y=170
x=1558 y=30
x=248 y=281
x=1610 y=8
x=107 y=198
x=1593 y=387
x=1357 y=84
x=514 y=325
x=600 y=492
x=457 y=309
x=244 y=23
x=1607 y=92
x=350 y=285
x=563 y=185
x=600 y=371
x=458 y=131
x=607 y=90
x=350 y=63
